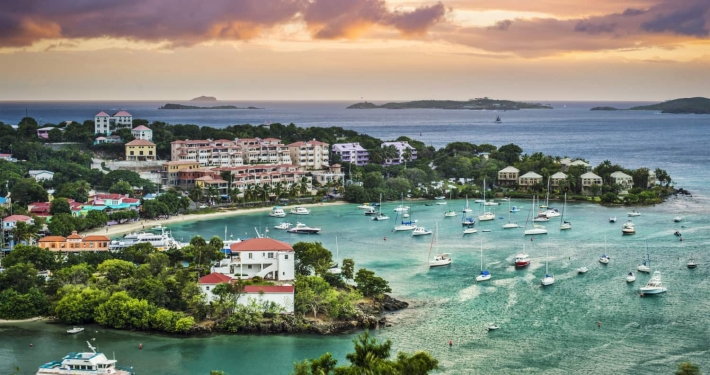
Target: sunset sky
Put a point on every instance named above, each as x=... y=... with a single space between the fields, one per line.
x=348 y=49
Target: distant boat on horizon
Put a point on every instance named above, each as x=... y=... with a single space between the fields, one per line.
x=498 y=120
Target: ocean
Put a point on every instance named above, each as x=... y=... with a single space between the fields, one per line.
x=549 y=330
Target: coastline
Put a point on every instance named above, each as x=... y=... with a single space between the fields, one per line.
x=139 y=225
x=35 y=319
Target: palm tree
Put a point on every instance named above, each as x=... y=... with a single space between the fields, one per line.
x=407 y=155
x=212 y=192
x=377 y=155
x=295 y=188
x=266 y=188
x=391 y=152
x=304 y=185
x=24 y=232
x=196 y=194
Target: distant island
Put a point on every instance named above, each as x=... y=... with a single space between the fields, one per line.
x=204 y=99
x=697 y=105
x=472 y=104
x=182 y=106
x=605 y=109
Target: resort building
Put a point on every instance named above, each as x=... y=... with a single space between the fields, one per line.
x=142 y=132
x=264 y=257
x=556 y=178
x=281 y=295
x=529 y=179
x=8 y=225
x=351 y=153
x=405 y=152
x=283 y=176
x=108 y=201
x=108 y=139
x=75 y=243
x=588 y=179
x=41 y=175
x=140 y=150
x=334 y=173
x=621 y=178
x=44 y=132
x=41 y=209
x=172 y=169
x=106 y=124
x=508 y=176
x=581 y=163
x=311 y=155
x=226 y=153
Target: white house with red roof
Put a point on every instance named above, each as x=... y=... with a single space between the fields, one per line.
x=142 y=132
x=281 y=295
x=264 y=257
x=107 y=124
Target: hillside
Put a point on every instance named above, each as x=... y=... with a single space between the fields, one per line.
x=472 y=104
x=604 y=109
x=697 y=105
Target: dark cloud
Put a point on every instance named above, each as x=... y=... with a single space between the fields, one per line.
x=691 y=20
x=501 y=25
x=594 y=28
x=633 y=12
x=186 y=22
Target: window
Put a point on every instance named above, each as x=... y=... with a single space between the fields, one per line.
x=271 y=255
x=207 y=288
x=249 y=266
x=131 y=153
x=286 y=256
x=141 y=153
x=250 y=256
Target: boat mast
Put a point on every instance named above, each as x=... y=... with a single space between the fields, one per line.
x=433 y=239
x=481 y=238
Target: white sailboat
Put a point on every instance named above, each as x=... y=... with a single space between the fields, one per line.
x=536 y=229
x=484 y=275
x=443 y=259
x=645 y=267
x=630 y=277
x=380 y=216
x=334 y=269
x=604 y=259
x=487 y=215
x=450 y=213
x=510 y=225
x=564 y=225
x=405 y=225
x=467 y=209
x=548 y=279
x=401 y=207
x=547 y=195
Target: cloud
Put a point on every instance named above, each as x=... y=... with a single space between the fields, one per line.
x=187 y=22
x=691 y=20
x=501 y=25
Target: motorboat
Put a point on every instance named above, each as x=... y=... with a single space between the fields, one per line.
x=551 y=212
x=370 y=211
x=75 y=330
x=441 y=203
x=484 y=275
x=470 y=231
x=677 y=219
x=505 y=199
x=300 y=210
x=487 y=216
x=582 y=270
x=420 y=231
x=450 y=214
x=479 y=201
x=628 y=228
x=440 y=198
x=492 y=327
x=86 y=363
x=654 y=286
x=604 y=259
x=365 y=206
x=405 y=225
x=630 y=277
x=612 y=219
x=401 y=208
x=491 y=203
x=283 y=226
x=549 y=279
x=535 y=230
x=515 y=209
x=486 y=231
x=691 y=263
x=301 y=228
x=277 y=212
x=158 y=227
x=443 y=259
x=522 y=260
x=634 y=213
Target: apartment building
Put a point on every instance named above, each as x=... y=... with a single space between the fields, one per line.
x=311 y=155
x=231 y=153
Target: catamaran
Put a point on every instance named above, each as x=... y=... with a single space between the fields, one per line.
x=86 y=363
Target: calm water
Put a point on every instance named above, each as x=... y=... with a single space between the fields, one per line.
x=550 y=330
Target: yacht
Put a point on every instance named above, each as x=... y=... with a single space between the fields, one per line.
x=301 y=228
x=365 y=206
x=634 y=213
x=86 y=363
x=420 y=231
x=283 y=226
x=491 y=203
x=630 y=277
x=380 y=217
x=450 y=214
x=612 y=219
x=161 y=241
x=487 y=216
x=479 y=201
x=536 y=229
x=548 y=279
x=582 y=270
x=277 y=212
x=522 y=259
x=677 y=219
x=401 y=208
x=643 y=267
x=541 y=219
x=300 y=210
x=75 y=330
x=654 y=286
x=551 y=212
x=370 y=211
x=691 y=263
x=440 y=198
x=628 y=228
x=604 y=259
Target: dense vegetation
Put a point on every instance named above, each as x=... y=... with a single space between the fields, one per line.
x=472 y=104
x=697 y=105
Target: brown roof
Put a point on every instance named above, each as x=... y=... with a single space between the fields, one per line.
x=140 y=142
x=74 y=236
x=52 y=239
x=96 y=238
x=261 y=244
x=141 y=127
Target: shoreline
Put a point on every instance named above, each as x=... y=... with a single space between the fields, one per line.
x=147 y=224
x=35 y=319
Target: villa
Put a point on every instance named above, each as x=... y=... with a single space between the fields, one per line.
x=621 y=178
x=140 y=150
x=508 y=176
x=263 y=257
x=8 y=157
x=529 y=179
x=75 y=243
x=281 y=295
x=142 y=132
x=556 y=178
x=589 y=179
x=41 y=175
x=106 y=124
x=402 y=148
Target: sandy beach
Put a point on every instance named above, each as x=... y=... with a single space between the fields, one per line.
x=147 y=224
x=37 y=318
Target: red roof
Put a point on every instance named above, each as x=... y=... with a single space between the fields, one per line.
x=141 y=127
x=261 y=244
x=108 y=196
x=140 y=142
x=96 y=238
x=214 y=278
x=121 y=113
x=102 y=114
x=130 y=200
x=14 y=218
x=52 y=239
x=268 y=289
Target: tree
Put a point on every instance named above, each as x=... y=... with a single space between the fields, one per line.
x=370 y=285
x=312 y=295
x=23 y=232
x=122 y=311
x=61 y=225
x=509 y=153
x=121 y=187
x=372 y=180
x=59 y=206
x=687 y=368
x=609 y=197
x=28 y=191
x=77 y=305
x=41 y=259
x=663 y=177
x=311 y=256
x=348 y=268
x=115 y=269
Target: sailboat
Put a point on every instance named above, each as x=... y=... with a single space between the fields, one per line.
x=443 y=259
x=645 y=267
x=536 y=229
x=630 y=277
x=450 y=213
x=498 y=120
x=484 y=275
x=604 y=259
x=466 y=220
x=334 y=269
x=548 y=279
x=510 y=225
x=467 y=209
x=487 y=215
x=402 y=207
x=405 y=225
x=380 y=216
x=547 y=195
x=564 y=225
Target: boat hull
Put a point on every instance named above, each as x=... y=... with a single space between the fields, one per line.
x=547 y=281
x=532 y=232
x=522 y=264
x=470 y=231
x=304 y=231
x=483 y=278
x=645 y=290
x=439 y=263
x=510 y=226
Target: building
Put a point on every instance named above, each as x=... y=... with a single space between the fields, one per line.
x=264 y=257
x=44 y=132
x=334 y=173
x=108 y=139
x=171 y=170
x=41 y=209
x=311 y=155
x=281 y=295
x=142 y=132
x=105 y=124
x=621 y=178
x=8 y=224
x=588 y=179
x=208 y=182
x=75 y=243
x=109 y=201
x=405 y=152
x=41 y=175
x=652 y=179
x=529 y=179
x=508 y=176
x=581 y=163
x=8 y=157
x=208 y=282
x=556 y=178
x=351 y=153
x=140 y=150
x=234 y=153
x=282 y=175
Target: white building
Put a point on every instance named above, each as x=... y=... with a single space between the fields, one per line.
x=352 y=153
x=621 y=178
x=41 y=175
x=557 y=178
x=311 y=155
x=142 y=132
x=8 y=157
x=334 y=173
x=401 y=150
x=281 y=295
x=263 y=257
x=106 y=124
x=231 y=153
x=530 y=179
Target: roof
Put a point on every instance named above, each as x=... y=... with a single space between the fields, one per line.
x=510 y=168
x=140 y=142
x=559 y=175
x=261 y=244
x=619 y=174
x=121 y=113
x=38 y=171
x=268 y=288
x=141 y=127
x=102 y=114
x=579 y=162
x=531 y=175
x=74 y=236
x=52 y=239
x=47 y=128
x=96 y=238
x=214 y=278
x=13 y=218
x=589 y=175
x=336 y=166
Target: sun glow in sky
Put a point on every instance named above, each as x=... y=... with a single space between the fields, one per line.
x=347 y=49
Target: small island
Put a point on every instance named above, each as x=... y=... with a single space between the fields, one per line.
x=605 y=109
x=697 y=105
x=471 y=104
x=182 y=106
x=204 y=99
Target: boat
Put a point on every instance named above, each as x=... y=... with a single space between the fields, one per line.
x=334 y=269
x=420 y=231
x=505 y=199
x=510 y=225
x=491 y=203
x=628 y=228
x=479 y=201
x=450 y=214
x=646 y=265
x=677 y=233
x=487 y=215
x=277 y=212
x=604 y=259
x=401 y=207
x=161 y=241
x=380 y=216
x=470 y=231
x=405 y=225
x=441 y=203
x=300 y=210
x=405 y=215
x=283 y=226
x=691 y=262
x=440 y=198
x=493 y=327
x=365 y=206
x=551 y=212
x=86 y=363
x=612 y=219
x=654 y=286
x=75 y=330
x=498 y=120
x=466 y=208
x=301 y=228
x=630 y=277
x=547 y=195
x=484 y=275
x=370 y=211
x=522 y=259
x=582 y=270
x=514 y=209
x=677 y=219
x=535 y=230
x=548 y=279
x=443 y=259
x=541 y=219
x=634 y=213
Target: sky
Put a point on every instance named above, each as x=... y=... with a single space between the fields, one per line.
x=377 y=50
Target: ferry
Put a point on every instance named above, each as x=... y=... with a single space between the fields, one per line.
x=86 y=363
x=162 y=241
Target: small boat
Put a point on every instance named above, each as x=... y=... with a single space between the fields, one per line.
x=405 y=215
x=470 y=231
x=450 y=214
x=634 y=213
x=582 y=270
x=515 y=209
x=522 y=259
x=468 y=221
x=548 y=279
x=646 y=268
x=301 y=228
x=565 y=225
x=498 y=120
x=551 y=212
x=677 y=219
x=157 y=227
x=405 y=225
x=380 y=217
x=493 y=327
x=654 y=286
x=479 y=201
x=487 y=216
x=677 y=233
x=421 y=231
x=604 y=259
x=370 y=211
x=443 y=259
x=299 y=210
x=87 y=363
x=283 y=226
x=491 y=203
x=535 y=230
x=277 y=212
x=612 y=219
x=630 y=277
x=484 y=275
x=628 y=228
x=541 y=219
x=441 y=203
x=365 y=206
x=505 y=199
x=510 y=224
x=486 y=231
x=691 y=263
x=75 y=330
x=401 y=208
x=440 y=198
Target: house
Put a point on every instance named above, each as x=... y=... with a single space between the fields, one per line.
x=41 y=209
x=351 y=153
x=44 y=132
x=75 y=243
x=581 y=163
x=403 y=148
x=311 y=155
x=508 y=176
x=208 y=182
x=8 y=224
x=334 y=173
x=556 y=178
x=281 y=295
x=41 y=175
x=140 y=150
x=106 y=201
x=652 y=179
x=263 y=257
x=208 y=282
x=8 y=157
x=108 y=139
x=621 y=178
x=105 y=124
x=588 y=179
x=529 y=179
x=142 y=132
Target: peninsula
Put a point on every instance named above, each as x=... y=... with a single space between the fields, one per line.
x=471 y=104
x=697 y=105
x=182 y=106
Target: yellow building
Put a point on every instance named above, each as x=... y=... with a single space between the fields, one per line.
x=140 y=150
x=172 y=169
